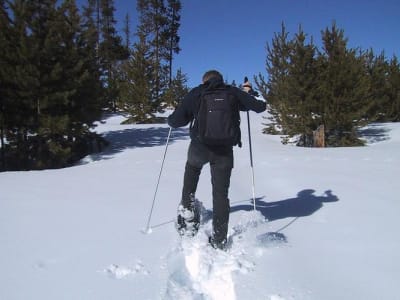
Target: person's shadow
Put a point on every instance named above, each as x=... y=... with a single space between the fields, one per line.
x=305 y=204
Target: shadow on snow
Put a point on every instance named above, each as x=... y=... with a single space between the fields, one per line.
x=305 y=204
x=138 y=138
x=374 y=133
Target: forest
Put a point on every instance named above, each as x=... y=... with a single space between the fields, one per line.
x=336 y=88
x=63 y=67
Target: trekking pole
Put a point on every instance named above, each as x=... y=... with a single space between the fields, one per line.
x=148 y=229
x=251 y=162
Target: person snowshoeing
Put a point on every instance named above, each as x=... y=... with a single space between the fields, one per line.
x=212 y=109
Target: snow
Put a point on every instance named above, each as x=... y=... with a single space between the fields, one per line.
x=325 y=226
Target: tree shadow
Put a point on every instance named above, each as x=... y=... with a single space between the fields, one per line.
x=305 y=204
x=138 y=138
x=374 y=133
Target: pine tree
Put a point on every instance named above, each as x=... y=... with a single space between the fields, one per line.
x=22 y=80
x=171 y=33
x=134 y=83
x=276 y=88
x=307 y=88
x=159 y=23
x=49 y=113
x=177 y=90
x=393 y=111
x=5 y=73
x=55 y=60
x=111 y=52
x=344 y=90
x=152 y=25
x=94 y=91
x=377 y=69
x=300 y=112
x=127 y=31
x=81 y=83
x=292 y=86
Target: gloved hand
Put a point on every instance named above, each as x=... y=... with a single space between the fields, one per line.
x=247 y=87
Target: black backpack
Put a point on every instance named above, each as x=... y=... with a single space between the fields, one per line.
x=218 y=118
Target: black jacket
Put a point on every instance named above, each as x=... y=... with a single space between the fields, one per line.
x=188 y=108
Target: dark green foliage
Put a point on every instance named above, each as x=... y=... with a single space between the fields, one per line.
x=344 y=90
x=60 y=68
x=275 y=89
x=302 y=87
x=145 y=80
x=111 y=52
x=177 y=90
x=135 y=91
x=392 y=109
x=171 y=33
x=50 y=91
x=377 y=68
x=338 y=87
x=6 y=85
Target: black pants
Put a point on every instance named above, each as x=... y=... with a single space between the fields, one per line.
x=221 y=164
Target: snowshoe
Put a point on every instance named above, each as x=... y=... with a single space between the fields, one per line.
x=188 y=220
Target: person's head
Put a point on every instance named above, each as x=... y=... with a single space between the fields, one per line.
x=212 y=74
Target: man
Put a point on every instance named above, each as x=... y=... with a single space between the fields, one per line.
x=220 y=157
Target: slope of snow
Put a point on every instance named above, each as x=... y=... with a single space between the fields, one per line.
x=325 y=226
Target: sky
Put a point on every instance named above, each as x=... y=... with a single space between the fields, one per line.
x=231 y=36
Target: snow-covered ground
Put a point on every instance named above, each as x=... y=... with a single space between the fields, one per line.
x=325 y=227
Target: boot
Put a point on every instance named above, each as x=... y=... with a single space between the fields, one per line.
x=221 y=245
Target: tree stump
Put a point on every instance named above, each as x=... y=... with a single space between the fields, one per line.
x=319 y=137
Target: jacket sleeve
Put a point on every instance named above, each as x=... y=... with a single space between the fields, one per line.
x=183 y=113
x=248 y=102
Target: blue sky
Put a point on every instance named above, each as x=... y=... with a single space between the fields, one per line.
x=231 y=35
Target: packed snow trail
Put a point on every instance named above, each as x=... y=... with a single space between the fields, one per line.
x=198 y=271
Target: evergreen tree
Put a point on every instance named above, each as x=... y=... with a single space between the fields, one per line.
x=299 y=114
x=111 y=52
x=393 y=111
x=275 y=89
x=92 y=89
x=127 y=32
x=22 y=105
x=307 y=88
x=377 y=69
x=55 y=61
x=177 y=90
x=5 y=73
x=82 y=87
x=171 y=32
x=159 y=23
x=152 y=25
x=134 y=82
x=345 y=89
x=50 y=90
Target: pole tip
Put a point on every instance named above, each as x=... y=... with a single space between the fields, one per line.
x=147 y=230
